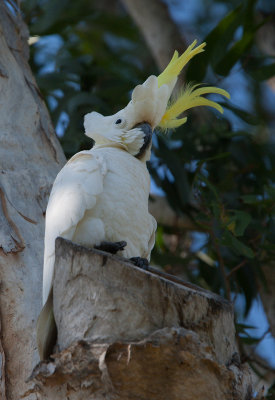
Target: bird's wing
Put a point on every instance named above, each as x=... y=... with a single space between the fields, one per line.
x=74 y=191
x=151 y=242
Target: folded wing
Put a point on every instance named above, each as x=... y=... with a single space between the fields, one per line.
x=74 y=192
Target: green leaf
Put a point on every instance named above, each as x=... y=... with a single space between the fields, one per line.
x=52 y=12
x=236 y=245
x=217 y=42
x=177 y=169
x=251 y=199
x=248 y=11
x=80 y=99
x=241 y=327
x=242 y=220
x=251 y=119
x=159 y=238
x=270 y=191
x=263 y=73
x=270 y=247
x=210 y=186
x=271 y=392
x=250 y=340
x=234 y=54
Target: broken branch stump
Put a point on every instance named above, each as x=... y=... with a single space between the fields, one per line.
x=125 y=333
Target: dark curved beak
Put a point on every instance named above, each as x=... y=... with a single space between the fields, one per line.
x=148 y=133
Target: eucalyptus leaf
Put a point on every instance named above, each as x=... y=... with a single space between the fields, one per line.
x=237 y=246
x=263 y=73
x=217 y=42
x=247 y=117
x=225 y=64
x=242 y=220
x=217 y=171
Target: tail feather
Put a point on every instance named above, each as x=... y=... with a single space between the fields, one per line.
x=46 y=331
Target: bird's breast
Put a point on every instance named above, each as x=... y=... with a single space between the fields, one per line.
x=123 y=204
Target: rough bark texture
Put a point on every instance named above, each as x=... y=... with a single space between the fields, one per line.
x=30 y=157
x=126 y=333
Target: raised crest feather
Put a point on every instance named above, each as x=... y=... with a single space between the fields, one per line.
x=191 y=95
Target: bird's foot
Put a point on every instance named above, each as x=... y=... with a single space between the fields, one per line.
x=140 y=262
x=111 y=247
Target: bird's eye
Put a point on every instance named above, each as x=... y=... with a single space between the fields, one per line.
x=121 y=122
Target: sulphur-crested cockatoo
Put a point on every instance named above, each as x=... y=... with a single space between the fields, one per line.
x=101 y=195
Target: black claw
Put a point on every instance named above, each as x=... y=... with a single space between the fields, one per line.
x=111 y=247
x=140 y=262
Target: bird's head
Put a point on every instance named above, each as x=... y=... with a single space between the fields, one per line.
x=120 y=131
x=132 y=127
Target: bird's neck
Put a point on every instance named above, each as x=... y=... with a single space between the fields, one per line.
x=110 y=145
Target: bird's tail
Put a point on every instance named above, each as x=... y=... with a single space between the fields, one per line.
x=46 y=331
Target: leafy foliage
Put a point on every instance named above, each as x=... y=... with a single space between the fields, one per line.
x=99 y=60
x=218 y=172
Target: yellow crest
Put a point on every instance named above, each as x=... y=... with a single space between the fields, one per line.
x=191 y=95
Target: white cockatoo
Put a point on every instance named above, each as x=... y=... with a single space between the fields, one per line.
x=100 y=197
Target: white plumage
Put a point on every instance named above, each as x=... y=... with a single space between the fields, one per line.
x=102 y=194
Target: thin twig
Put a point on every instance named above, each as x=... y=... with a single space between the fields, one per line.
x=240 y=265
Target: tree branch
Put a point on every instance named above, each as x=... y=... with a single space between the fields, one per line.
x=159 y=30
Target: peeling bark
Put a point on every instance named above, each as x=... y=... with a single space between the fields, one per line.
x=2 y=369
x=10 y=239
x=170 y=364
x=125 y=333
x=30 y=157
x=27 y=164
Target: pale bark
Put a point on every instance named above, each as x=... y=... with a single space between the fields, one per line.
x=126 y=333
x=30 y=157
x=159 y=30
x=165 y=215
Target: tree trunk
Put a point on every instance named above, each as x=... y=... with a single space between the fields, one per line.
x=125 y=333
x=159 y=30
x=30 y=157
x=171 y=338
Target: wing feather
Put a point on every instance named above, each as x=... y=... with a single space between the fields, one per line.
x=74 y=191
